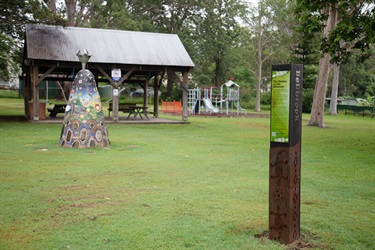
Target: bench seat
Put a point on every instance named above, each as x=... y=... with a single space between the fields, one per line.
x=123 y=107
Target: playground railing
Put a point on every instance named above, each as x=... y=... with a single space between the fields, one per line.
x=171 y=107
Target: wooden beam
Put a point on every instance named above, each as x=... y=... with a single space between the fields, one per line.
x=178 y=78
x=67 y=66
x=115 y=97
x=116 y=84
x=125 y=77
x=40 y=79
x=69 y=79
x=182 y=81
x=106 y=75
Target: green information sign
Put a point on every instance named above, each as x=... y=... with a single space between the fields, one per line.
x=280 y=106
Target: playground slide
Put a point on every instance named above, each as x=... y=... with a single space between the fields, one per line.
x=240 y=109
x=209 y=106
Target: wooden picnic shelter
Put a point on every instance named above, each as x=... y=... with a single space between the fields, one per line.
x=143 y=58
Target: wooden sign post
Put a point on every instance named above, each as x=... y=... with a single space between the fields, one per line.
x=285 y=152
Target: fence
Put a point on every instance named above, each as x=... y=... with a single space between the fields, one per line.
x=171 y=107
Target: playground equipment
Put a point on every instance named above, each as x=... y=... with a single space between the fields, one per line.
x=229 y=94
x=209 y=106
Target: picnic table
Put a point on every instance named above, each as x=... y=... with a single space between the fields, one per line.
x=356 y=109
x=58 y=108
x=138 y=110
x=124 y=107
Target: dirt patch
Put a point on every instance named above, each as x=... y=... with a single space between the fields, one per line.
x=137 y=190
x=304 y=242
x=85 y=205
x=72 y=187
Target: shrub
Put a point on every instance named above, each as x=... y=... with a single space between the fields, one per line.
x=265 y=98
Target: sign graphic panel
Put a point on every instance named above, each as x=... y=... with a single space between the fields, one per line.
x=280 y=106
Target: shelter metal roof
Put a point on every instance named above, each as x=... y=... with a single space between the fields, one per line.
x=59 y=43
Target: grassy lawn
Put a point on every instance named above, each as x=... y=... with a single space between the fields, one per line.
x=202 y=185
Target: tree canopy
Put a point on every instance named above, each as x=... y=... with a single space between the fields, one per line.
x=346 y=27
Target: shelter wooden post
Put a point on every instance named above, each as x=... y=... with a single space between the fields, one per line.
x=34 y=80
x=145 y=93
x=27 y=91
x=115 y=102
x=185 y=84
x=115 y=92
x=156 y=95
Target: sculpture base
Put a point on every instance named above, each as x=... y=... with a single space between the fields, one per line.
x=90 y=134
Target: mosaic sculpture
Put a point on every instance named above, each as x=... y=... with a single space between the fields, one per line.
x=83 y=125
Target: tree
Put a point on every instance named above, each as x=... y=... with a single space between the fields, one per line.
x=177 y=17
x=121 y=14
x=358 y=78
x=271 y=28
x=217 y=33
x=354 y=30
x=317 y=111
x=13 y=18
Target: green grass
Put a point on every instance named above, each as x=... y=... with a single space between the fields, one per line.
x=9 y=93
x=202 y=185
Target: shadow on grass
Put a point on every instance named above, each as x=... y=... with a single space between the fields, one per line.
x=13 y=118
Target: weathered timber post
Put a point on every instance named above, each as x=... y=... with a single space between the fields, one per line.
x=145 y=93
x=116 y=81
x=185 y=87
x=156 y=95
x=34 y=75
x=285 y=153
x=115 y=102
x=116 y=76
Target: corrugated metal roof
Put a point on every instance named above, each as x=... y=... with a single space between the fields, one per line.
x=58 y=43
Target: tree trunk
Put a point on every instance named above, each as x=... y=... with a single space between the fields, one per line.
x=257 y=86
x=52 y=6
x=259 y=60
x=335 y=89
x=335 y=82
x=71 y=11
x=317 y=111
